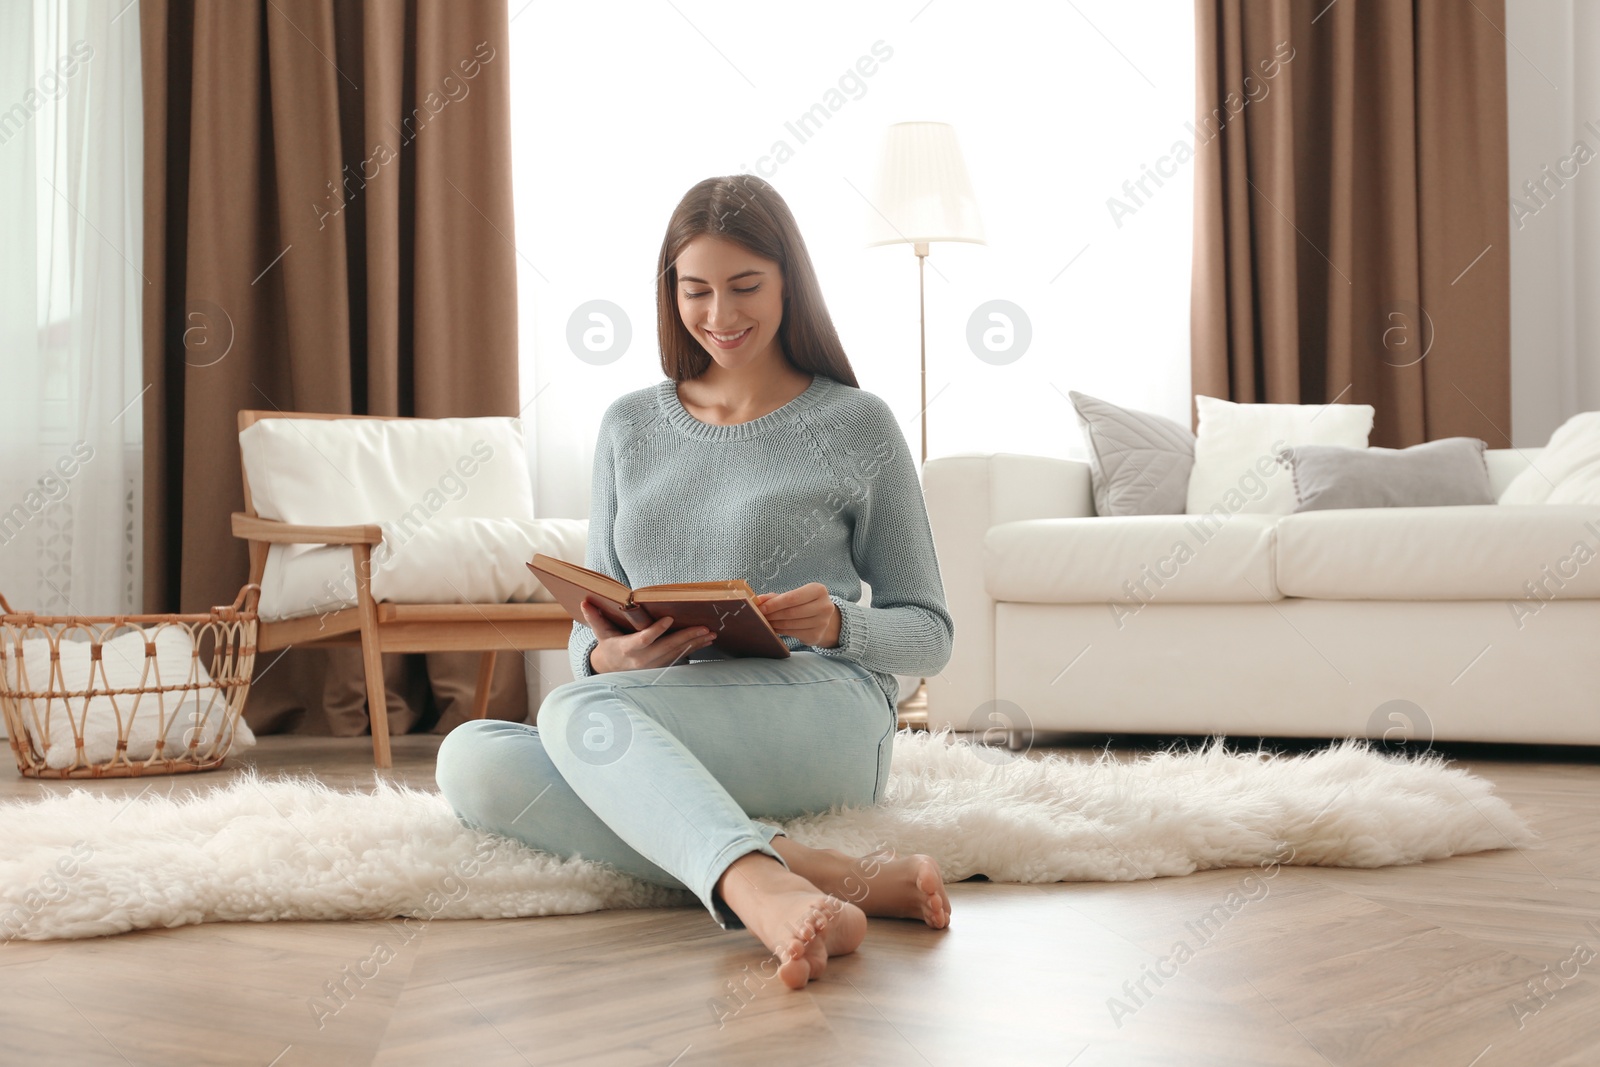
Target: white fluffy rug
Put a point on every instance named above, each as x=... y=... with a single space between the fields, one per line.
x=81 y=865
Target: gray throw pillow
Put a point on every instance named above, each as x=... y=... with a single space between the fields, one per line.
x=1140 y=462
x=1439 y=473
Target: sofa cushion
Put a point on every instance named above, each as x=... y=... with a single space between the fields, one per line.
x=1566 y=471
x=1131 y=560
x=1235 y=452
x=1505 y=464
x=1449 y=471
x=446 y=561
x=1140 y=461
x=1475 y=552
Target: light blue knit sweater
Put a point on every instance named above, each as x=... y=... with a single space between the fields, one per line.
x=821 y=490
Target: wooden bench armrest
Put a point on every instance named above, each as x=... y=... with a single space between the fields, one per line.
x=252 y=528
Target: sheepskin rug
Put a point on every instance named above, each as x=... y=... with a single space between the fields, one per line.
x=79 y=864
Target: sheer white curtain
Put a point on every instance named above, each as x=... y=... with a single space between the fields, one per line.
x=70 y=285
x=1059 y=109
x=1553 y=97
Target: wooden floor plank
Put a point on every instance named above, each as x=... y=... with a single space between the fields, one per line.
x=1430 y=963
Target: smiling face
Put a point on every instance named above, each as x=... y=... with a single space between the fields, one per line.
x=731 y=301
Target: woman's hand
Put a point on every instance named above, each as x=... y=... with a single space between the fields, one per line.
x=619 y=650
x=805 y=613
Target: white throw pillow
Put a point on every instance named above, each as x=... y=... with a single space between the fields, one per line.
x=1235 y=451
x=446 y=561
x=399 y=472
x=123 y=659
x=1567 y=471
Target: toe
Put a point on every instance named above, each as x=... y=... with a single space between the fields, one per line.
x=930 y=883
x=804 y=961
x=795 y=973
x=816 y=960
x=804 y=928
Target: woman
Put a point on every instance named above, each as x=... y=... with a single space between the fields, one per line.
x=757 y=457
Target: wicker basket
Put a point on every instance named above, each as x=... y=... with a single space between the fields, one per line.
x=50 y=724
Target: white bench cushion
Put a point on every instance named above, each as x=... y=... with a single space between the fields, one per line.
x=448 y=561
x=1132 y=558
x=330 y=472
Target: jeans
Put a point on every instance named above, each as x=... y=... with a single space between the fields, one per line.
x=660 y=772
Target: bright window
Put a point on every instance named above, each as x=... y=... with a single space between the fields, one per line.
x=617 y=111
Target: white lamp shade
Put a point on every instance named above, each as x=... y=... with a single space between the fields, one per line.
x=923 y=193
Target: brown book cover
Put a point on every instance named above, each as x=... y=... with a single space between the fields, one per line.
x=728 y=608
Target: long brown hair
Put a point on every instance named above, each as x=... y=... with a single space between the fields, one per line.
x=749 y=212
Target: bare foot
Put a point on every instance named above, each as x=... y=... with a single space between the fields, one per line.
x=906 y=887
x=802 y=925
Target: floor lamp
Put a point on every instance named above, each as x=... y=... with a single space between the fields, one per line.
x=922 y=195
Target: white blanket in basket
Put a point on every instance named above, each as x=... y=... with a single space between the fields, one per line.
x=179 y=717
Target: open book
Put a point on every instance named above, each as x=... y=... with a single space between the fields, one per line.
x=728 y=609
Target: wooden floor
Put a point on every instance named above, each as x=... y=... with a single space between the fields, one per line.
x=1432 y=964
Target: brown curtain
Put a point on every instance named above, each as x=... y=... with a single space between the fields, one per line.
x=1351 y=230
x=327 y=228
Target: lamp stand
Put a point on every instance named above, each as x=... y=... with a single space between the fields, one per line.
x=912 y=712
x=921 y=249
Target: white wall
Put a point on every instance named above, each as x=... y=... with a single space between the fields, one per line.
x=1553 y=92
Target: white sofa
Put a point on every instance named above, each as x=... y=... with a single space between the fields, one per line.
x=1477 y=623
